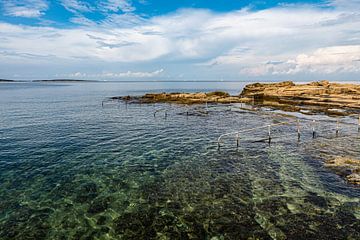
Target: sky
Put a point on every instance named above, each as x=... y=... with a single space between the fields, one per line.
x=180 y=39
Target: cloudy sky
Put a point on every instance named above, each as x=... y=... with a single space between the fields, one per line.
x=180 y=39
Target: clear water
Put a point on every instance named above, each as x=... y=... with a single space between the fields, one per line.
x=72 y=169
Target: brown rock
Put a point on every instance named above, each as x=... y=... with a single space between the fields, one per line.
x=346 y=167
x=315 y=97
x=320 y=96
x=353 y=178
x=187 y=98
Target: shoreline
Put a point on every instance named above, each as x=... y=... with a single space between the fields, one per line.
x=322 y=96
x=309 y=98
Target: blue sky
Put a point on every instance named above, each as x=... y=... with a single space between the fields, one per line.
x=61 y=12
x=180 y=40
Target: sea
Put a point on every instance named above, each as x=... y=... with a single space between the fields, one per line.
x=76 y=165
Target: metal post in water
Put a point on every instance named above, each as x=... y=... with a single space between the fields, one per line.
x=166 y=114
x=298 y=129
x=337 y=127
x=237 y=140
x=313 y=129
x=269 y=133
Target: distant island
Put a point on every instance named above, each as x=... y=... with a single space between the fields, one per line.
x=5 y=80
x=47 y=80
x=63 y=80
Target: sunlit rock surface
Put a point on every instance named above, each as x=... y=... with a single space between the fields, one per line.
x=322 y=96
x=315 y=97
x=183 y=98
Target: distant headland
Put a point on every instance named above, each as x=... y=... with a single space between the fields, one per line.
x=63 y=80
x=6 y=80
x=47 y=80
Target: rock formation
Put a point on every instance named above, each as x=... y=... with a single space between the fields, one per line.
x=320 y=96
x=323 y=96
x=346 y=167
x=184 y=98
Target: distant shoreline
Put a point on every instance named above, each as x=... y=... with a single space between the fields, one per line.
x=63 y=80
x=159 y=81
x=6 y=81
x=46 y=81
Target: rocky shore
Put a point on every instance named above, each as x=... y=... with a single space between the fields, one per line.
x=311 y=98
x=323 y=96
x=183 y=98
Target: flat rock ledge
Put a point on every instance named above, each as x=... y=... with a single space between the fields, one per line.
x=183 y=98
x=311 y=98
x=347 y=167
x=323 y=96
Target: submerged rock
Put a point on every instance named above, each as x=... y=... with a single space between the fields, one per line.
x=346 y=167
x=86 y=192
x=99 y=204
x=354 y=178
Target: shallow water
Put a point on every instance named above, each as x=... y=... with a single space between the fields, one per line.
x=72 y=169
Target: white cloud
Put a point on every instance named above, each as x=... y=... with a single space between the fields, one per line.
x=329 y=60
x=283 y=40
x=345 y=4
x=125 y=20
x=117 y=5
x=25 y=8
x=337 y=59
x=104 y=75
x=81 y=20
x=79 y=6
x=76 y=6
x=76 y=43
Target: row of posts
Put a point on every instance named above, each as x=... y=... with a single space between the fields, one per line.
x=337 y=129
x=313 y=127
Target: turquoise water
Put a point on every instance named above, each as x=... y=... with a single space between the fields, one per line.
x=72 y=169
